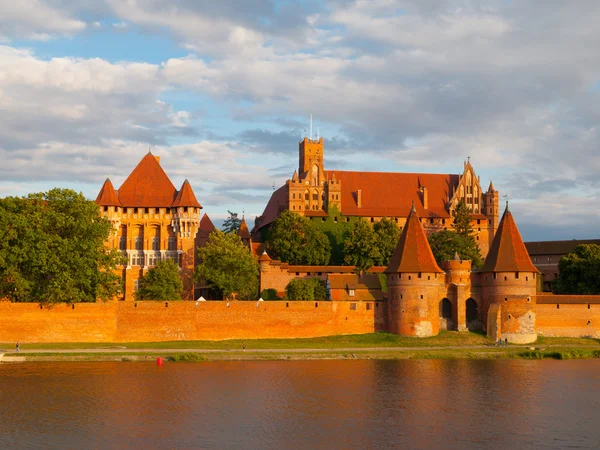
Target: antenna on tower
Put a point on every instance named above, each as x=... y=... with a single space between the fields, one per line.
x=310 y=135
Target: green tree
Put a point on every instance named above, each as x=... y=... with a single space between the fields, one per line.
x=52 y=250
x=227 y=266
x=295 y=240
x=269 y=294
x=361 y=247
x=306 y=289
x=387 y=233
x=579 y=272
x=462 y=220
x=232 y=223
x=445 y=244
x=162 y=282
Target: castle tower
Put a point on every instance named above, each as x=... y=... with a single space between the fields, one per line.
x=458 y=281
x=334 y=193
x=509 y=286
x=415 y=283
x=264 y=262
x=491 y=209
x=244 y=234
x=111 y=209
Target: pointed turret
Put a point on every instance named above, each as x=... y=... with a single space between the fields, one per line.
x=186 y=197
x=243 y=231
x=206 y=224
x=295 y=178
x=508 y=252
x=413 y=253
x=107 y=195
x=147 y=186
x=491 y=188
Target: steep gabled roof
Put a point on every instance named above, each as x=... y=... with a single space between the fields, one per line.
x=508 y=252
x=107 y=195
x=413 y=253
x=147 y=186
x=206 y=224
x=390 y=194
x=243 y=231
x=186 y=197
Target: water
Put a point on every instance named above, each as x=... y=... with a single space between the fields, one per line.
x=302 y=405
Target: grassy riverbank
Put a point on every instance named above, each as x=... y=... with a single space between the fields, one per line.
x=447 y=345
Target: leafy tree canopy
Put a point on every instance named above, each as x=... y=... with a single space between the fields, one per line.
x=579 y=272
x=269 y=294
x=444 y=244
x=52 y=249
x=387 y=233
x=232 y=223
x=361 y=247
x=295 y=240
x=227 y=266
x=306 y=289
x=162 y=282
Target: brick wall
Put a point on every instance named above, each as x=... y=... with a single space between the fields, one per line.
x=568 y=316
x=154 y=322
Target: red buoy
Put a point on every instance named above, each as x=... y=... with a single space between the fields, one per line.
x=159 y=361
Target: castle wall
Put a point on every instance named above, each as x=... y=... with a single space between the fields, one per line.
x=155 y=322
x=568 y=315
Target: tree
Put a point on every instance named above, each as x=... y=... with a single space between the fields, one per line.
x=227 y=266
x=295 y=240
x=445 y=244
x=52 y=250
x=579 y=272
x=269 y=294
x=462 y=220
x=162 y=282
x=232 y=223
x=306 y=289
x=361 y=247
x=387 y=234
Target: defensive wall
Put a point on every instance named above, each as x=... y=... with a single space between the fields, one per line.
x=184 y=320
x=568 y=315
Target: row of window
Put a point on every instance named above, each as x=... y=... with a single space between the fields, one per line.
x=138 y=259
x=138 y=243
x=153 y=210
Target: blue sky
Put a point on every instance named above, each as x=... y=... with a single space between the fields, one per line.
x=222 y=92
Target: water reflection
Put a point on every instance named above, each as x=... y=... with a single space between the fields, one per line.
x=301 y=404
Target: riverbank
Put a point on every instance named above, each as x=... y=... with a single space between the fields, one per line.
x=447 y=345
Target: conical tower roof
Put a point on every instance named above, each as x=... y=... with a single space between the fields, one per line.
x=147 y=186
x=508 y=252
x=186 y=197
x=413 y=253
x=491 y=188
x=206 y=224
x=107 y=195
x=243 y=232
x=295 y=176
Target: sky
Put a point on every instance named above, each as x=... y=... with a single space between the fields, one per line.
x=222 y=91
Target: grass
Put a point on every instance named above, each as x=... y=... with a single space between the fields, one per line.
x=187 y=357
x=560 y=354
x=444 y=339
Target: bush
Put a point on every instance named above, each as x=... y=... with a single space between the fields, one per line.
x=306 y=289
x=187 y=357
x=269 y=294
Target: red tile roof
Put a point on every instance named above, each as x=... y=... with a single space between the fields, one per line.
x=413 y=253
x=107 y=195
x=243 y=231
x=186 y=197
x=147 y=186
x=392 y=194
x=508 y=252
x=264 y=257
x=277 y=203
x=206 y=224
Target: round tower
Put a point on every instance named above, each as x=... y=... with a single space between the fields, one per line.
x=415 y=283
x=458 y=281
x=509 y=286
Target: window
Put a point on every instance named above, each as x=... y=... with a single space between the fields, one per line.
x=139 y=243
x=352 y=306
x=123 y=243
x=351 y=293
x=369 y=306
x=171 y=243
x=155 y=243
x=136 y=285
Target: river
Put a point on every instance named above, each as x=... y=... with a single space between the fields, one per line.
x=363 y=404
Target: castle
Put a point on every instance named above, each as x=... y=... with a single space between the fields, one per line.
x=318 y=193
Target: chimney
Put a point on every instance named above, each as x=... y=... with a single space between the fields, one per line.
x=157 y=159
x=425 y=199
x=359 y=198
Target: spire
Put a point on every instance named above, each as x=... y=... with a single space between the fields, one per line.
x=107 y=195
x=264 y=257
x=456 y=257
x=295 y=177
x=491 y=188
x=413 y=253
x=243 y=231
x=333 y=176
x=508 y=252
x=413 y=210
x=186 y=197
x=206 y=224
